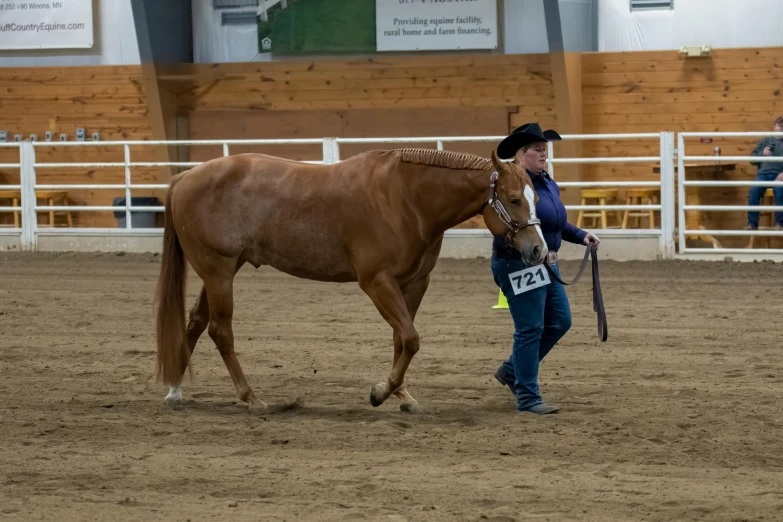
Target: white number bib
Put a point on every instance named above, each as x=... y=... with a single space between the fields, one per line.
x=529 y=279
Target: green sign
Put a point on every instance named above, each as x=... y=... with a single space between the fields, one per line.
x=311 y=27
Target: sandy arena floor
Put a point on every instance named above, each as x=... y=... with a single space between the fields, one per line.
x=677 y=417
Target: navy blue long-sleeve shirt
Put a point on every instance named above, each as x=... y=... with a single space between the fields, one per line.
x=554 y=220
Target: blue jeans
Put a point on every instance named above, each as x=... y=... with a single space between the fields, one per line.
x=542 y=316
x=756 y=193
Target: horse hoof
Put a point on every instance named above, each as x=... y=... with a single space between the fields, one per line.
x=373 y=399
x=174 y=396
x=258 y=407
x=410 y=407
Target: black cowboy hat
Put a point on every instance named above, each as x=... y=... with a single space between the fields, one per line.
x=524 y=135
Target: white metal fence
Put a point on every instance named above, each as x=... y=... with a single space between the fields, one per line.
x=683 y=207
x=28 y=166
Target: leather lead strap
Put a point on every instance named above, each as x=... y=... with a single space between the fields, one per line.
x=598 y=299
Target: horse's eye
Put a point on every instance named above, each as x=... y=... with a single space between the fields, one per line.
x=516 y=202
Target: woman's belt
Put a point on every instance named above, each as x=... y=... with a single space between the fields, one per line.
x=551 y=257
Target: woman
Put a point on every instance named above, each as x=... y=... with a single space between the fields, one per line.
x=541 y=315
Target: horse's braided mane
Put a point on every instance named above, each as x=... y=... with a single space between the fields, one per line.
x=442 y=158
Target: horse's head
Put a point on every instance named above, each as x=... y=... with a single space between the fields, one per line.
x=511 y=211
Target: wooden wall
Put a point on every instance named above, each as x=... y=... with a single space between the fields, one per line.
x=109 y=100
x=400 y=95
x=522 y=83
x=384 y=82
x=379 y=97
x=733 y=90
x=350 y=123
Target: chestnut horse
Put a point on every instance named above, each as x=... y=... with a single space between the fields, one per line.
x=376 y=218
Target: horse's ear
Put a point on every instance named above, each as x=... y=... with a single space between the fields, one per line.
x=500 y=167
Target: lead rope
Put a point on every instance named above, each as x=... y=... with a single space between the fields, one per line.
x=598 y=299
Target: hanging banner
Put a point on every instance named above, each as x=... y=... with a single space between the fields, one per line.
x=45 y=24
x=428 y=25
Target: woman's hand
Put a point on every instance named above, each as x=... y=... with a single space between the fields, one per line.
x=592 y=238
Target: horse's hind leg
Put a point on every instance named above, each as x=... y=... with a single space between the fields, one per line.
x=199 y=319
x=197 y=323
x=219 y=287
x=413 y=294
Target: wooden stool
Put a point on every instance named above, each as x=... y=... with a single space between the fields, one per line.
x=640 y=197
x=15 y=196
x=601 y=195
x=51 y=197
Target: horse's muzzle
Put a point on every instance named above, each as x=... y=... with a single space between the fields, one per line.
x=534 y=254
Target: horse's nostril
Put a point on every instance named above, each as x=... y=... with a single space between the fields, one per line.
x=536 y=251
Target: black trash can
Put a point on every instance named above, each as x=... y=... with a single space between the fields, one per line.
x=138 y=219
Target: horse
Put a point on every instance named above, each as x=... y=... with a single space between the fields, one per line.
x=376 y=219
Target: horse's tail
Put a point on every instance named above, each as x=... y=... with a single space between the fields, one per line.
x=170 y=297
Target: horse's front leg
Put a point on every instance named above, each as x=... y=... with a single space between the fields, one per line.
x=408 y=403
x=413 y=293
x=384 y=291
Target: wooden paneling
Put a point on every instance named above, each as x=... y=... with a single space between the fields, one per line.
x=733 y=90
x=394 y=82
x=443 y=95
x=352 y=123
x=110 y=100
x=385 y=96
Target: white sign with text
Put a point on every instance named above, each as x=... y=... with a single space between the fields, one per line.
x=529 y=279
x=45 y=24
x=426 y=25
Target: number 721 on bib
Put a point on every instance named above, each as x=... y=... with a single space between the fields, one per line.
x=529 y=279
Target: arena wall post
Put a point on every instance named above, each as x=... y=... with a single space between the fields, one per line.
x=27 y=174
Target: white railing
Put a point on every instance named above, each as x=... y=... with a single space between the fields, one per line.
x=15 y=231
x=28 y=166
x=127 y=165
x=683 y=207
